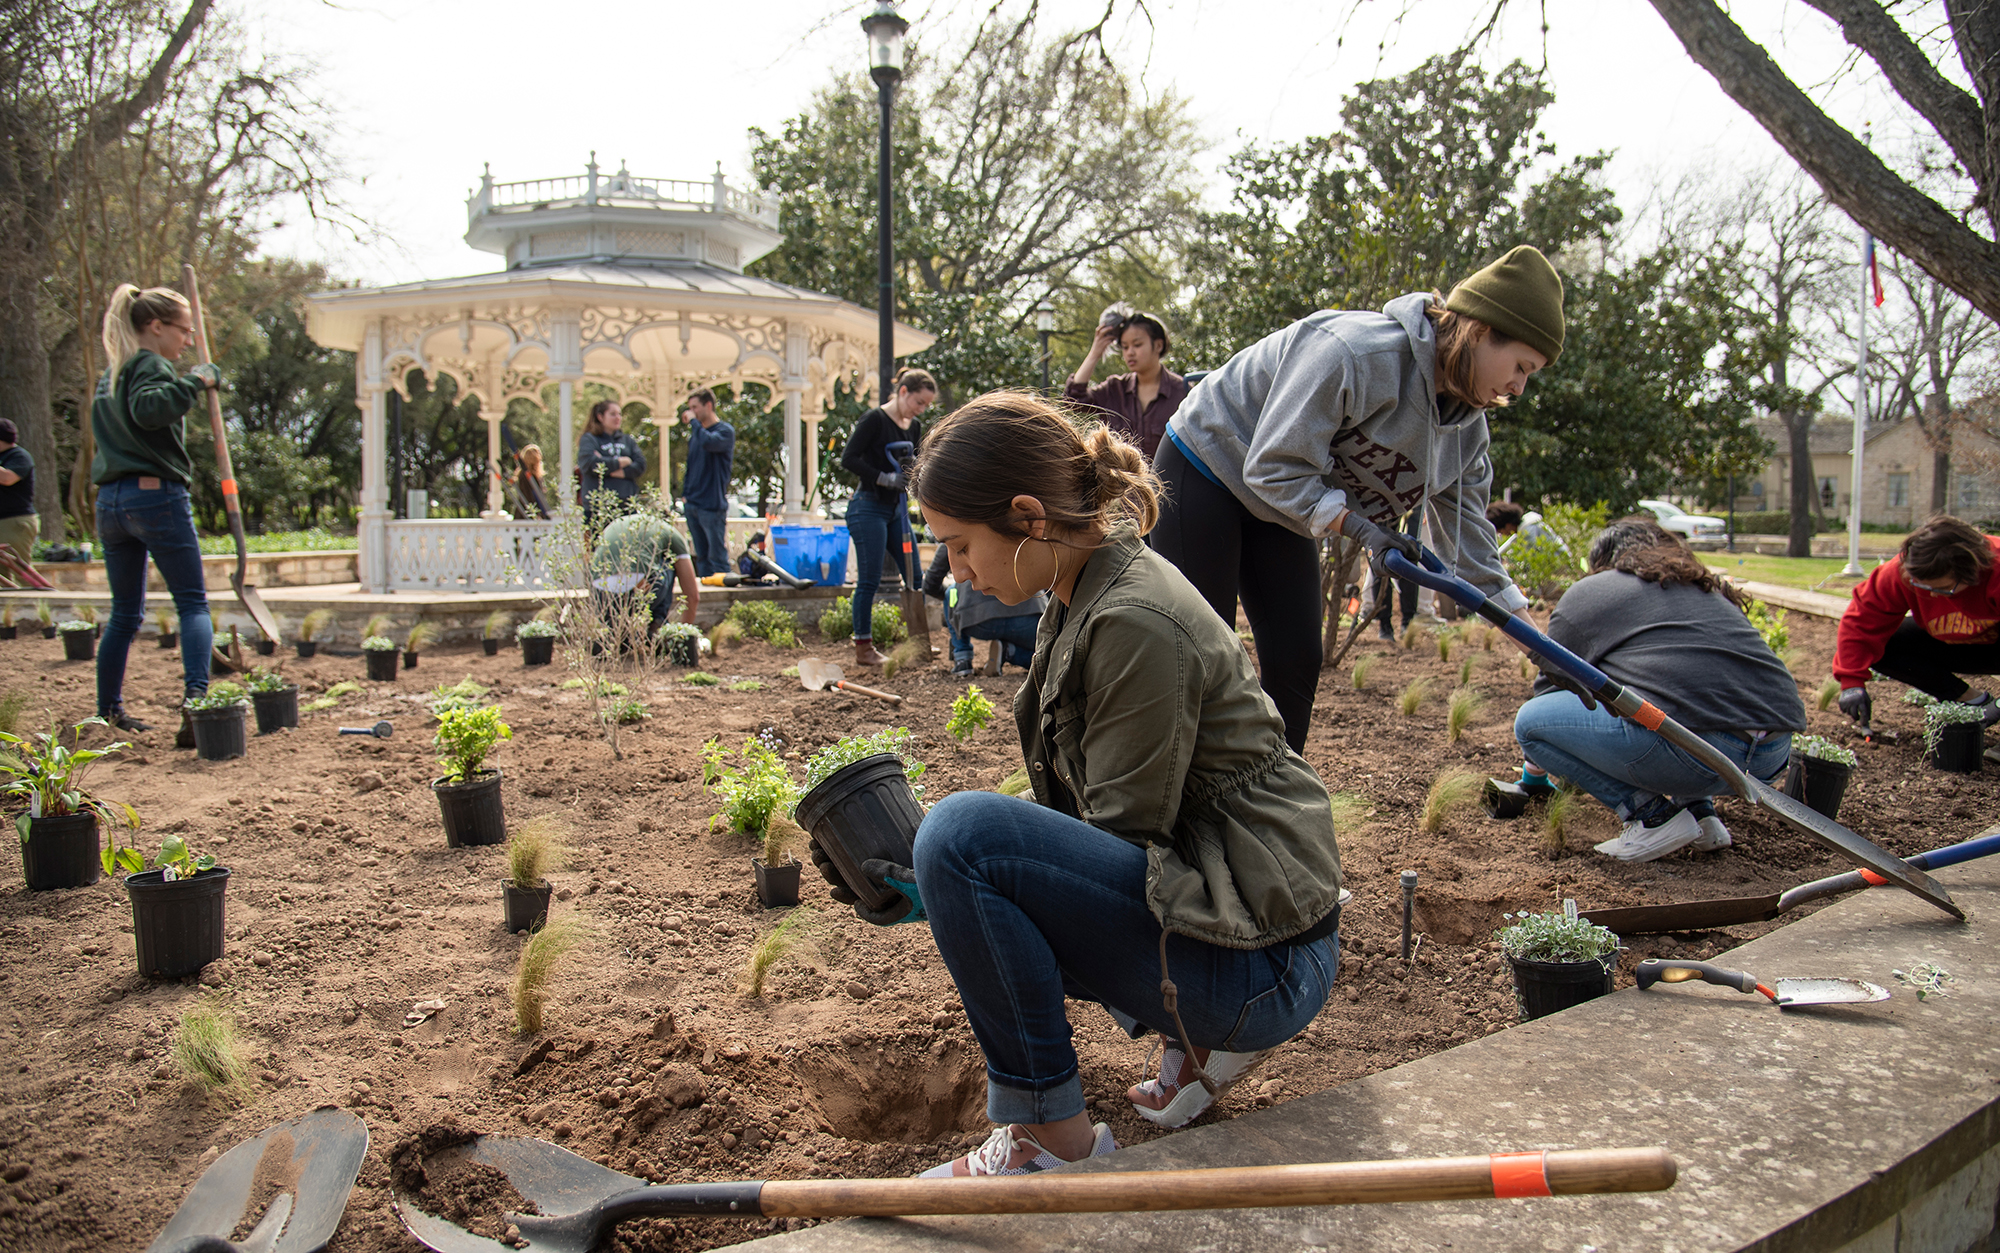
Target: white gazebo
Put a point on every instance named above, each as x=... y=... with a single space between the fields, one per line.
x=634 y=283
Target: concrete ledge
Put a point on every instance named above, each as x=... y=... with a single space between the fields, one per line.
x=261 y=570
x=1818 y=604
x=1869 y=1128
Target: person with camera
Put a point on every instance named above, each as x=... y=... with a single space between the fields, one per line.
x=1924 y=617
x=878 y=516
x=1138 y=403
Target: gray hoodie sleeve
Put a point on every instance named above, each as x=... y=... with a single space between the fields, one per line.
x=1319 y=386
x=1460 y=534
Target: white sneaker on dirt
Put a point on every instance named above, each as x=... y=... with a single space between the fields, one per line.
x=1639 y=842
x=1008 y=1153
x=1713 y=835
x=1188 y=1102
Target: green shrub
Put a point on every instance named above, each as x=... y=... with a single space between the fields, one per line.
x=464 y=738
x=764 y=620
x=969 y=714
x=885 y=619
x=1769 y=624
x=1772 y=522
x=1541 y=566
x=750 y=792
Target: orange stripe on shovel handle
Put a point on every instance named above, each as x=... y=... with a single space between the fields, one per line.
x=1520 y=1174
x=229 y=487
x=1649 y=716
x=1869 y=876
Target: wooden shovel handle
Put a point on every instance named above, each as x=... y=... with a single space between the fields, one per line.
x=846 y=686
x=1559 y=1172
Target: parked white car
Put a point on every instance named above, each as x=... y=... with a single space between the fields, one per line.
x=1681 y=522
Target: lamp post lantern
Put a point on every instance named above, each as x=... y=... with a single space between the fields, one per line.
x=1045 y=322
x=885 y=29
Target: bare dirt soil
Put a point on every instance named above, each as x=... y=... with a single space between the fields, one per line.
x=345 y=910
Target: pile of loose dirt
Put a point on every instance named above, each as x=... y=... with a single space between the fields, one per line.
x=345 y=909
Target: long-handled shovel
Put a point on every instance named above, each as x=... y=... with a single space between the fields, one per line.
x=1735 y=910
x=246 y=595
x=581 y=1201
x=819 y=675
x=312 y=1161
x=1628 y=704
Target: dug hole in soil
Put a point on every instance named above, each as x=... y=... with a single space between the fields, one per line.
x=345 y=909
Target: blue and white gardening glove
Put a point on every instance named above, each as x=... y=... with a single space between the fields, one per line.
x=895 y=878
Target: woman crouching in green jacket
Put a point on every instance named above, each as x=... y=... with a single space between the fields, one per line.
x=1172 y=833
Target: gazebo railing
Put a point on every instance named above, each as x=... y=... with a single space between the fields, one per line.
x=713 y=195
x=468 y=555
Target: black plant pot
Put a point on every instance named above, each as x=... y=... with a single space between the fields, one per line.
x=538 y=650
x=861 y=811
x=1504 y=799
x=381 y=664
x=276 y=710
x=491 y=645
x=527 y=908
x=1820 y=784
x=266 y=648
x=409 y=660
x=10 y=631
x=307 y=648
x=218 y=733
x=1542 y=988
x=1960 y=747
x=48 y=632
x=170 y=639
x=681 y=650
x=79 y=645
x=776 y=887
x=61 y=852
x=177 y=926
x=472 y=810
x=97 y=630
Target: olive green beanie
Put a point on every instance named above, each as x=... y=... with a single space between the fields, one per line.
x=1520 y=296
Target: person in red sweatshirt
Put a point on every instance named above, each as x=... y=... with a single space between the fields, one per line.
x=1923 y=617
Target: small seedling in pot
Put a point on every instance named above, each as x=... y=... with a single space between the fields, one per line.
x=49 y=775
x=969 y=714
x=1413 y=697
x=1940 y=714
x=1465 y=705
x=1364 y=665
x=178 y=859
x=536 y=848
x=263 y=680
x=537 y=629
x=1829 y=692
x=751 y=792
x=421 y=636
x=164 y=622
x=75 y=624
x=781 y=836
x=464 y=738
x=317 y=626
x=378 y=644
x=679 y=642
x=767 y=951
x=1449 y=793
x=700 y=678
x=1554 y=938
x=206 y=1049
x=496 y=626
x=223 y=695
x=540 y=956
x=43 y=614
x=1820 y=748
x=464 y=694
x=1556 y=817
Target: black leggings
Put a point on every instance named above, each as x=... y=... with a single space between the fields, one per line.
x=1922 y=660
x=1229 y=553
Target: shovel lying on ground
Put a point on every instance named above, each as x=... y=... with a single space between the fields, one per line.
x=581 y=1201
x=1628 y=704
x=246 y=595
x=312 y=1161
x=1732 y=911
x=1788 y=994
x=819 y=675
x=381 y=730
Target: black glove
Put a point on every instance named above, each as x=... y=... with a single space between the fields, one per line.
x=908 y=906
x=1557 y=678
x=1857 y=704
x=837 y=887
x=894 y=480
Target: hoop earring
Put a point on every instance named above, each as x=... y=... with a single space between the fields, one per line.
x=1017 y=558
x=1057 y=577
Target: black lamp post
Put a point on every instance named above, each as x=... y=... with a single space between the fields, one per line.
x=1045 y=321
x=885 y=28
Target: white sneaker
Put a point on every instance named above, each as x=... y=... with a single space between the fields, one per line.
x=1006 y=1153
x=1713 y=835
x=1188 y=1102
x=1639 y=842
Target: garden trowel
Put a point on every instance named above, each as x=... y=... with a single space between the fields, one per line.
x=312 y=1163
x=819 y=675
x=1784 y=993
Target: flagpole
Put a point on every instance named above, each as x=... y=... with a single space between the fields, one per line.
x=1853 y=568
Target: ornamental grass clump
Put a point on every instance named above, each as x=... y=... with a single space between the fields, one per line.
x=1465 y=705
x=464 y=738
x=1364 y=665
x=206 y=1049
x=537 y=847
x=751 y=791
x=1555 y=938
x=422 y=636
x=1413 y=697
x=1449 y=793
x=1820 y=748
x=1559 y=812
x=1942 y=714
x=1829 y=692
x=496 y=625
x=768 y=951
x=540 y=957
x=317 y=626
x=11 y=706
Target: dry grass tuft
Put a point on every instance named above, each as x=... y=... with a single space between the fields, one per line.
x=207 y=1050
x=1465 y=705
x=1413 y=697
x=1364 y=665
x=1465 y=671
x=1491 y=637
x=1411 y=634
x=1015 y=784
x=767 y=951
x=1829 y=692
x=541 y=955
x=1449 y=793
x=724 y=634
x=1556 y=819
x=11 y=706
x=911 y=652
x=537 y=846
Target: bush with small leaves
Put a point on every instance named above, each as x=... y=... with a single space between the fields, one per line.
x=969 y=714
x=1555 y=938
x=464 y=738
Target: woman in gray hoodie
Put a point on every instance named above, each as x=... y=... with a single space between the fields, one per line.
x=1339 y=424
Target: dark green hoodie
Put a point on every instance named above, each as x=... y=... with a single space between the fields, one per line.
x=139 y=426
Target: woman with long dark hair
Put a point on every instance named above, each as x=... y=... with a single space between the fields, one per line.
x=607 y=458
x=1924 y=617
x=879 y=452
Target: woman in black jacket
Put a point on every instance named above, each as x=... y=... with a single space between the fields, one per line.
x=877 y=518
x=608 y=459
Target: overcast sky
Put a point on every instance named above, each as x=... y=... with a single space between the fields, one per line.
x=428 y=90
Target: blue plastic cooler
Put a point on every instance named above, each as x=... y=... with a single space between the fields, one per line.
x=812 y=552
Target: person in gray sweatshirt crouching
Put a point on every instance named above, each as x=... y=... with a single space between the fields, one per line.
x=1339 y=424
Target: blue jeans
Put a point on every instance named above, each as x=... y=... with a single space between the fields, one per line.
x=877 y=528
x=710 y=538
x=1028 y=906
x=1633 y=770
x=133 y=522
x=1016 y=635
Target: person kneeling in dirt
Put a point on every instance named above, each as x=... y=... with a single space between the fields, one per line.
x=1170 y=829
x=970 y=614
x=1657 y=620
x=1923 y=617
x=641 y=552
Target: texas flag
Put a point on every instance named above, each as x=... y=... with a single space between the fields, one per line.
x=1874 y=273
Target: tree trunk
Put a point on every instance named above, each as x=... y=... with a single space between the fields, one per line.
x=1940 y=478
x=1805 y=490
x=24 y=382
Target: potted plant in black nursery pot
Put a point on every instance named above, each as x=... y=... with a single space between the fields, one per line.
x=421 y=636
x=469 y=795
x=380 y=651
x=8 y=630
x=168 y=625
x=533 y=851
x=495 y=631
x=46 y=617
x=218 y=716
x=1559 y=960
x=862 y=801
x=59 y=846
x=79 y=639
x=315 y=628
x=1818 y=773
x=538 y=641
x=177 y=911
x=1954 y=737
x=276 y=701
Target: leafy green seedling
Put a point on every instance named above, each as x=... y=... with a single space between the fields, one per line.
x=752 y=791
x=50 y=775
x=700 y=678
x=464 y=738
x=823 y=764
x=178 y=860
x=969 y=714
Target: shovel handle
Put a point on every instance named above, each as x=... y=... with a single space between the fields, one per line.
x=230 y=501
x=845 y=686
x=1657 y=970
x=1854 y=880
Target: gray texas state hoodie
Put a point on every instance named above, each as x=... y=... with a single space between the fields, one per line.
x=1340 y=410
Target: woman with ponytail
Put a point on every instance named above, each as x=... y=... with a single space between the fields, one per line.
x=1170 y=833
x=142 y=470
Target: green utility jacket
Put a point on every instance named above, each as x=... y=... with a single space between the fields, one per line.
x=1142 y=716
x=139 y=426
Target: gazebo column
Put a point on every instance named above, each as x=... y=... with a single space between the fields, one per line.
x=494 y=499
x=566 y=366
x=793 y=384
x=371 y=395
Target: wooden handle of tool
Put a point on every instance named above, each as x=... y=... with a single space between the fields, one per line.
x=1560 y=1172
x=845 y=686
x=230 y=502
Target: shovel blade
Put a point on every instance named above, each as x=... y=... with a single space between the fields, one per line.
x=1796 y=992
x=253 y=603
x=320 y=1154
x=556 y=1181
x=1857 y=850
x=1687 y=916
x=817 y=674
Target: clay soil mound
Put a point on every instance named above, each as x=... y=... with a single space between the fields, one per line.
x=345 y=910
